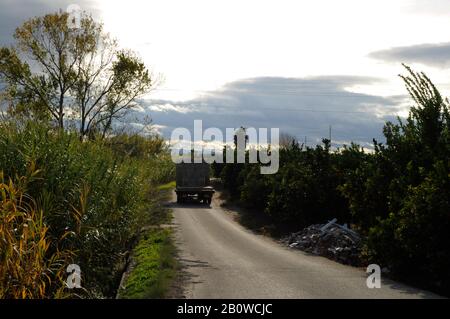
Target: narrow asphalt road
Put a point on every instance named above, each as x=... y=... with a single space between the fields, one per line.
x=221 y=259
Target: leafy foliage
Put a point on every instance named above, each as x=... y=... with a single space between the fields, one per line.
x=89 y=194
x=28 y=267
x=79 y=75
x=398 y=195
x=306 y=188
x=401 y=196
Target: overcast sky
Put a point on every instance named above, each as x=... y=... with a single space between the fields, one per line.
x=297 y=65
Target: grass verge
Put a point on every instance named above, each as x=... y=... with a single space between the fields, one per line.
x=155 y=266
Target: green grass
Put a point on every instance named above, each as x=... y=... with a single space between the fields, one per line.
x=153 y=258
x=155 y=266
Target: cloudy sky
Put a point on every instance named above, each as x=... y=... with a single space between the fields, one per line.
x=300 y=65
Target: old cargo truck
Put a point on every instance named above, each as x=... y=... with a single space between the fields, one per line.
x=193 y=182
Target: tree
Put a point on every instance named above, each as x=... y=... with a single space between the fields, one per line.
x=64 y=73
x=400 y=195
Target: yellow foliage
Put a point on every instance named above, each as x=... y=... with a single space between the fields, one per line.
x=27 y=268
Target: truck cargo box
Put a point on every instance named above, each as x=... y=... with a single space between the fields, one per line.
x=192 y=181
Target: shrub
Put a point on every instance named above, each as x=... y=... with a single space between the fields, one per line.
x=401 y=196
x=305 y=189
x=28 y=267
x=89 y=193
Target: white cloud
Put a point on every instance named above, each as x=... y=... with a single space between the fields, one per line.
x=298 y=106
x=305 y=62
x=167 y=107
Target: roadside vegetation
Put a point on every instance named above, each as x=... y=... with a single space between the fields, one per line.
x=152 y=265
x=74 y=187
x=396 y=196
x=86 y=201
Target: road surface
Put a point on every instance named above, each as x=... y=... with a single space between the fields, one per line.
x=222 y=259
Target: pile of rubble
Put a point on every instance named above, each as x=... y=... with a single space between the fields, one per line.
x=331 y=240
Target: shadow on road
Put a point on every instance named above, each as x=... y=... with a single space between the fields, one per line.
x=186 y=277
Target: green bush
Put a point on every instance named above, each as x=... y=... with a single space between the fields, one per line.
x=306 y=188
x=255 y=189
x=90 y=193
x=401 y=195
x=398 y=196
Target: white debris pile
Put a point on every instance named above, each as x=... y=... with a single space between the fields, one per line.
x=337 y=242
